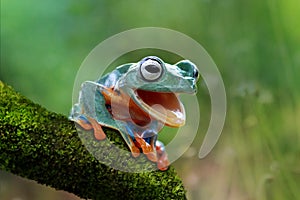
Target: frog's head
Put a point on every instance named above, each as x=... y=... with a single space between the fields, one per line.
x=152 y=82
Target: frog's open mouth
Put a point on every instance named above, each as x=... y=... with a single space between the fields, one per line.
x=163 y=106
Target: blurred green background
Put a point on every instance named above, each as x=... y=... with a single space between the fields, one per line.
x=255 y=44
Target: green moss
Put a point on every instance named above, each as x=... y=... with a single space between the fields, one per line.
x=45 y=147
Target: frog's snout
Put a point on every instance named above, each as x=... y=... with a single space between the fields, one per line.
x=188 y=69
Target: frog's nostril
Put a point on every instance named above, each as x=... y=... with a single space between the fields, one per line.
x=195 y=73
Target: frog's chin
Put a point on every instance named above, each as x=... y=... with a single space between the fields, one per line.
x=162 y=106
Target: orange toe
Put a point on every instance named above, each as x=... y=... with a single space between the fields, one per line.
x=144 y=145
x=83 y=124
x=151 y=156
x=135 y=151
x=99 y=134
x=98 y=131
x=163 y=162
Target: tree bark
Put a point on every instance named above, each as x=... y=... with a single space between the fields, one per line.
x=46 y=147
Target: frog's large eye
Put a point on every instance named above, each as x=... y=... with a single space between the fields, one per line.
x=151 y=69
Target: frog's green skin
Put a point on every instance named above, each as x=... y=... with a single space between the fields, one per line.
x=137 y=99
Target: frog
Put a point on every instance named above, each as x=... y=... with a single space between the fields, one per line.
x=138 y=100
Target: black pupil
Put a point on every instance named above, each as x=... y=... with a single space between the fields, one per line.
x=152 y=68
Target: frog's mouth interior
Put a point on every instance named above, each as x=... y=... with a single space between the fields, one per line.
x=163 y=106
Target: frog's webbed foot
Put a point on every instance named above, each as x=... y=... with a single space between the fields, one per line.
x=148 y=149
x=135 y=151
x=162 y=162
x=88 y=123
x=155 y=153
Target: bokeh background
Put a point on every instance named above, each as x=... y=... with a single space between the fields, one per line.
x=255 y=44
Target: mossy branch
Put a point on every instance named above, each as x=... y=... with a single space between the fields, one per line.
x=45 y=147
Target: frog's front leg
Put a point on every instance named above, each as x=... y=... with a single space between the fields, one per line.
x=148 y=149
x=153 y=149
x=147 y=141
x=88 y=123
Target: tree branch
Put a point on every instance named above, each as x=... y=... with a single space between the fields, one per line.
x=45 y=147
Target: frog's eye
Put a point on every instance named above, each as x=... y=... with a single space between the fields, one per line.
x=151 y=70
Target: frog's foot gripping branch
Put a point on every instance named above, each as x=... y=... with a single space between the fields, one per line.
x=147 y=149
x=91 y=124
x=162 y=162
x=155 y=153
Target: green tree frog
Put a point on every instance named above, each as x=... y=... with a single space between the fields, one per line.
x=137 y=99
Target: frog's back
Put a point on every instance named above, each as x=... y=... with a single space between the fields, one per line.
x=110 y=79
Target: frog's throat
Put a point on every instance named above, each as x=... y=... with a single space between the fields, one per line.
x=163 y=106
